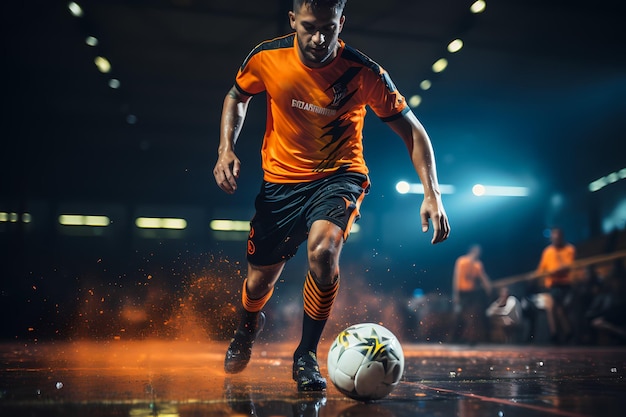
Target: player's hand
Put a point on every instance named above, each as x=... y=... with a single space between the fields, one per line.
x=432 y=209
x=226 y=171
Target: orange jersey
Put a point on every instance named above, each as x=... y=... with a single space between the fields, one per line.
x=468 y=271
x=552 y=259
x=315 y=116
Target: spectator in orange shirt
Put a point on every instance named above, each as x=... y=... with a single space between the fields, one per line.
x=556 y=261
x=470 y=287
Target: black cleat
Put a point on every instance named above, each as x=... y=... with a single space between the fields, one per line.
x=240 y=348
x=306 y=373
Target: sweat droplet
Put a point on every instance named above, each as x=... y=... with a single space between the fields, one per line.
x=59 y=385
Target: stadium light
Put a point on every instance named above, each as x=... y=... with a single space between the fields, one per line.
x=478 y=6
x=103 y=64
x=455 y=46
x=230 y=225
x=224 y=225
x=75 y=9
x=480 y=190
x=440 y=65
x=611 y=178
x=160 y=223
x=84 y=220
x=403 y=187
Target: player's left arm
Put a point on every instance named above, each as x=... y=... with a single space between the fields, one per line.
x=418 y=143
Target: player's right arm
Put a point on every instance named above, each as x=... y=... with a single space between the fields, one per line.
x=227 y=167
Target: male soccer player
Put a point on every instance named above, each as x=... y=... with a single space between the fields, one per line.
x=315 y=176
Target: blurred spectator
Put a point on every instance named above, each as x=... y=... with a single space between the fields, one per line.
x=469 y=299
x=556 y=261
x=505 y=315
x=607 y=312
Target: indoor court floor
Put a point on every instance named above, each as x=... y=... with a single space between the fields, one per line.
x=172 y=378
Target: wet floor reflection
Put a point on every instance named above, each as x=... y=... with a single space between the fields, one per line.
x=186 y=379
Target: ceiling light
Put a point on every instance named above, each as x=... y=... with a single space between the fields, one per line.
x=425 y=85
x=160 y=223
x=415 y=100
x=403 y=187
x=440 y=65
x=75 y=9
x=91 y=41
x=478 y=6
x=230 y=225
x=455 y=46
x=84 y=220
x=103 y=64
x=480 y=190
x=611 y=178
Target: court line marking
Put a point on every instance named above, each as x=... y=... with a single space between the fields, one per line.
x=502 y=401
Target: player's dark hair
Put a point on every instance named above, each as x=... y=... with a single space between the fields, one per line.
x=336 y=5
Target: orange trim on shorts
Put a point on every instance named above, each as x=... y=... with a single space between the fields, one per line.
x=356 y=212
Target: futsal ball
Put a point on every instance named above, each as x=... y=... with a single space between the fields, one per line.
x=365 y=362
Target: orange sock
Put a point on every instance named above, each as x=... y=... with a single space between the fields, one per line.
x=317 y=302
x=254 y=305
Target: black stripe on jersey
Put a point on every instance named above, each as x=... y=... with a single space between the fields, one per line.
x=346 y=77
x=278 y=43
x=242 y=91
x=396 y=116
x=339 y=87
x=354 y=55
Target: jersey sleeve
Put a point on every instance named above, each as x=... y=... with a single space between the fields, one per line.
x=384 y=98
x=249 y=78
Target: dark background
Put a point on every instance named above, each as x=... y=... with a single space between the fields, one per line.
x=536 y=98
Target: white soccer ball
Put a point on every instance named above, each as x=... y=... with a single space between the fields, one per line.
x=365 y=362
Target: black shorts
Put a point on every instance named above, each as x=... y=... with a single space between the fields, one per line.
x=285 y=213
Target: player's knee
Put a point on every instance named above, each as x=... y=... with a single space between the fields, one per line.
x=261 y=279
x=323 y=263
x=322 y=255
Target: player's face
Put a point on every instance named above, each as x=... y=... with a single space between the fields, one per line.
x=557 y=237
x=317 y=34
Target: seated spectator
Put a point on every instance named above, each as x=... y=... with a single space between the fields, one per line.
x=505 y=314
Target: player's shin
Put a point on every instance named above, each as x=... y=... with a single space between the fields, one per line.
x=318 y=303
